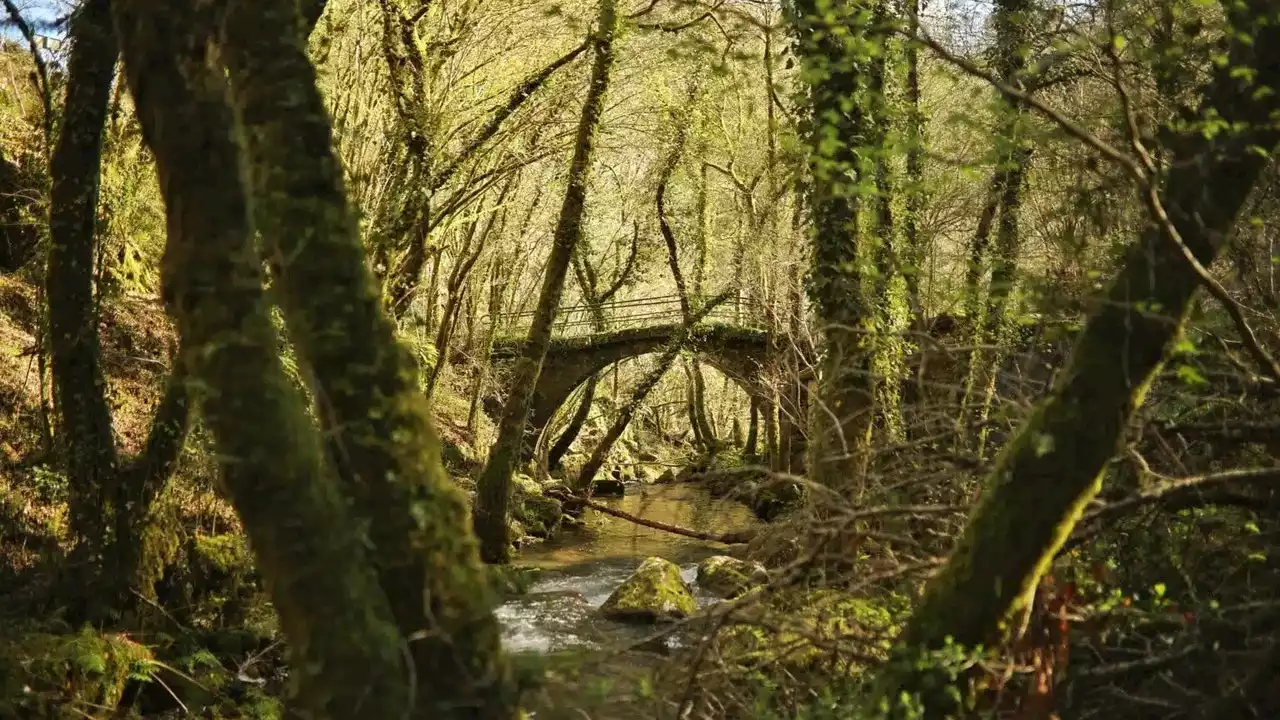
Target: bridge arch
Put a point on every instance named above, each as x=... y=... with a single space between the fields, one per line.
x=739 y=353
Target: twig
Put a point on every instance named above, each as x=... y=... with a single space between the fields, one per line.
x=1142 y=665
x=1138 y=172
x=1173 y=493
x=42 y=71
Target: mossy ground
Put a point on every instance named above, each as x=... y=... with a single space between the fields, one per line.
x=66 y=675
x=210 y=618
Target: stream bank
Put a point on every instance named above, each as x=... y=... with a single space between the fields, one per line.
x=578 y=568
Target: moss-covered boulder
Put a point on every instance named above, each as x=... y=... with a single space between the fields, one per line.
x=541 y=515
x=49 y=675
x=729 y=577
x=515 y=532
x=525 y=485
x=459 y=457
x=655 y=592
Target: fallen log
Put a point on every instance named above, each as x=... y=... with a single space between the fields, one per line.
x=740 y=537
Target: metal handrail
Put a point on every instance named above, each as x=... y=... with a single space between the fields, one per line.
x=578 y=320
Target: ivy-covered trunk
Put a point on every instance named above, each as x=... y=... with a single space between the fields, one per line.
x=888 y=298
x=829 y=35
x=914 y=250
x=493 y=493
x=346 y=654
x=1053 y=467
x=365 y=380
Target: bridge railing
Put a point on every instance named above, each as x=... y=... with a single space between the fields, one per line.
x=581 y=320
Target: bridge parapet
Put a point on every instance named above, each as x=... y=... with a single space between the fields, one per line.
x=633 y=314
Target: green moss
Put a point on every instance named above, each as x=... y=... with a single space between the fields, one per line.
x=655 y=592
x=226 y=554
x=729 y=577
x=795 y=631
x=69 y=675
x=541 y=515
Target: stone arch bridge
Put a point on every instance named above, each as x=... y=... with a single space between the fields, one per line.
x=727 y=340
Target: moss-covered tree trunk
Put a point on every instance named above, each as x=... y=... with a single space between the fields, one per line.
x=84 y=420
x=1052 y=468
x=494 y=491
x=833 y=69
x=109 y=504
x=366 y=382
x=677 y=344
x=749 y=446
x=346 y=653
x=588 y=280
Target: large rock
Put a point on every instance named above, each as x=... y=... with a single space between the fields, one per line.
x=655 y=592
x=523 y=484
x=729 y=577
x=540 y=515
x=666 y=478
x=459 y=457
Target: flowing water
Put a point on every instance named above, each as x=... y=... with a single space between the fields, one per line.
x=580 y=569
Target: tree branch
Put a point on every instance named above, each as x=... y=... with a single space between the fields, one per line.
x=518 y=97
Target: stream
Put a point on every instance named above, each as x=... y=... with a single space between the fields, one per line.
x=579 y=569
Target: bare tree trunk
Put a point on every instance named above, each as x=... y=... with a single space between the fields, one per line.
x=588 y=281
x=1053 y=467
x=365 y=380
x=346 y=654
x=457 y=285
x=703 y=430
x=771 y=443
x=494 y=488
x=576 y=423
